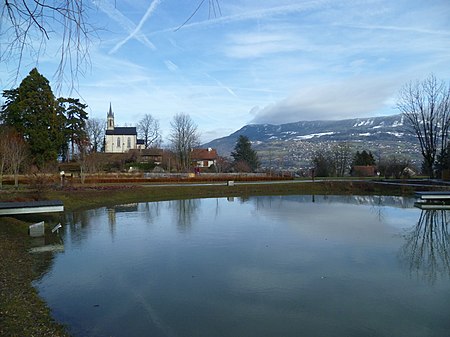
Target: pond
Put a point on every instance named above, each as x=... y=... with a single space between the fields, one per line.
x=262 y=266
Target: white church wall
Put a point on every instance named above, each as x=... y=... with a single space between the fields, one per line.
x=120 y=143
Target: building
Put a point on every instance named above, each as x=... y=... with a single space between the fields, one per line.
x=152 y=155
x=364 y=171
x=120 y=139
x=204 y=158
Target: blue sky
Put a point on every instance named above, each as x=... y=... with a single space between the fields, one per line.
x=272 y=61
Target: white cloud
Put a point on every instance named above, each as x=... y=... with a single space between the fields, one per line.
x=337 y=100
x=259 y=44
x=290 y=60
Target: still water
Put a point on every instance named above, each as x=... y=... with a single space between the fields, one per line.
x=263 y=266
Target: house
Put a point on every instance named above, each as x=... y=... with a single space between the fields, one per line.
x=120 y=139
x=204 y=158
x=152 y=155
x=364 y=171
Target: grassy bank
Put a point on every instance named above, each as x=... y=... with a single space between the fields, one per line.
x=106 y=195
x=23 y=313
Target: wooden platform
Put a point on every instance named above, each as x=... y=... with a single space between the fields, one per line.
x=433 y=200
x=432 y=206
x=438 y=196
x=30 y=207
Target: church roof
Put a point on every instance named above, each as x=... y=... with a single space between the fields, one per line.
x=122 y=130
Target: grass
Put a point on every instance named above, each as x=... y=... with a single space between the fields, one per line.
x=107 y=195
x=22 y=311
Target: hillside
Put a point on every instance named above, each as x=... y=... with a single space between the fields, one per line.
x=292 y=145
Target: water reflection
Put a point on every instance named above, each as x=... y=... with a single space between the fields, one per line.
x=185 y=212
x=151 y=211
x=427 y=246
x=78 y=224
x=113 y=211
x=259 y=266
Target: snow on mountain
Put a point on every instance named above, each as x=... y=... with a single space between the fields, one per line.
x=388 y=135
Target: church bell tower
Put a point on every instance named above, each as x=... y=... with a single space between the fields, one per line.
x=110 y=119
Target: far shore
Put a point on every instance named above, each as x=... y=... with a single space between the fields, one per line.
x=97 y=194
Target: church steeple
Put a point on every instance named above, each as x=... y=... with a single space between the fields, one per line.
x=110 y=119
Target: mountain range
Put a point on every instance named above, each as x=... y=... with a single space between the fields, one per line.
x=292 y=145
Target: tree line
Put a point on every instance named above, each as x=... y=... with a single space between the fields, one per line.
x=39 y=129
x=44 y=129
x=341 y=160
x=49 y=126
x=425 y=106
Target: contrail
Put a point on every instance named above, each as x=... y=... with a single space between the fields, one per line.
x=256 y=14
x=401 y=29
x=221 y=85
x=108 y=8
x=151 y=9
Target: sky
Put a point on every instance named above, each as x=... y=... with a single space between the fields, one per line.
x=251 y=61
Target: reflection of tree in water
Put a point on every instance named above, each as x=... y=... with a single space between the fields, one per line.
x=263 y=203
x=377 y=207
x=151 y=211
x=185 y=212
x=244 y=198
x=112 y=220
x=79 y=222
x=426 y=250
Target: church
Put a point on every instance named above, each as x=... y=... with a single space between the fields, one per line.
x=120 y=139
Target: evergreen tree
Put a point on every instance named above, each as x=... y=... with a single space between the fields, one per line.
x=363 y=158
x=31 y=110
x=243 y=152
x=74 y=132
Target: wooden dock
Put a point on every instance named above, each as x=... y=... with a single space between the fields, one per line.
x=432 y=206
x=31 y=207
x=434 y=196
x=433 y=200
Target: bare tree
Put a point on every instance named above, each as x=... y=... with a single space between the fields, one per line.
x=341 y=157
x=426 y=249
x=28 y=24
x=426 y=107
x=148 y=129
x=95 y=129
x=334 y=161
x=184 y=137
x=15 y=149
x=214 y=11
x=322 y=162
x=4 y=148
x=82 y=159
x=394 y=166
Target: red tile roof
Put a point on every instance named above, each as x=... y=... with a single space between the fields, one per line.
x=204 y=154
